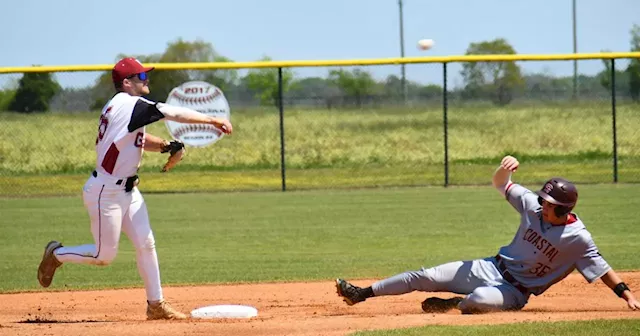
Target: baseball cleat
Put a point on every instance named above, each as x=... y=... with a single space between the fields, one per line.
x=351 y=294
x=49 y=264
x=162 y=310
x=438 y=305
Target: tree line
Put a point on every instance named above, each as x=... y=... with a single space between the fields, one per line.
x=498 y=82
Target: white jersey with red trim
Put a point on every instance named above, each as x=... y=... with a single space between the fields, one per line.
x=119 y=149
x=542 y=254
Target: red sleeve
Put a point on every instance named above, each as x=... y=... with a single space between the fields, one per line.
x=506 y=191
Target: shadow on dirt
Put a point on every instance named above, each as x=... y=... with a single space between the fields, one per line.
x=40 y=320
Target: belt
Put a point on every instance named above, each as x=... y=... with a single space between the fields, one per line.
x=129 y=182
x=507 y=276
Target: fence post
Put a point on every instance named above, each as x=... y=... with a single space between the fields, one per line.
x=613 y=119
x=446 y=126
x=281 y=107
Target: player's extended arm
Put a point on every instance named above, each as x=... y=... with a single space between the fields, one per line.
x=502 y=175
x=188 y=116
x=153 y=143
x=613 y=281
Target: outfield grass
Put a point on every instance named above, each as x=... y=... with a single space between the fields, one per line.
x=304 y=235
x=583 y=328
x=52 y=154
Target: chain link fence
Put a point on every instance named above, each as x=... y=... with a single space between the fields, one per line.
x=329 y=132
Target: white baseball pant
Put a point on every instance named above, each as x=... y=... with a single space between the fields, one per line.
x=111 y=210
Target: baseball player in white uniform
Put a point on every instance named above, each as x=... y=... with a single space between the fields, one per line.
x=111 y=195
x=549 y=244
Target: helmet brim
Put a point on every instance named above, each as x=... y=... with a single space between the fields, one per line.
x=552 y=200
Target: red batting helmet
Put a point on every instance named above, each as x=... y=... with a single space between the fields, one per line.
x=560 y=192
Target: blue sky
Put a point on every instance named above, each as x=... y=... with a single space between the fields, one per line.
x=93 y=32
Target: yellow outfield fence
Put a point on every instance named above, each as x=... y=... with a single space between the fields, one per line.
x=335 y=63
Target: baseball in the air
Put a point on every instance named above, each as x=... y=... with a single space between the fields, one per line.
x=425 y=44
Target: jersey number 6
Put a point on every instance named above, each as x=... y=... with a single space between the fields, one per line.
x=102 y=128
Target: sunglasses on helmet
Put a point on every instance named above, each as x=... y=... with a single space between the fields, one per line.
x=141 y=76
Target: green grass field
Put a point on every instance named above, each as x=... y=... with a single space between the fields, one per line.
x=50 y=154
x=306 y=235
x=301 y=235
x=587 y=328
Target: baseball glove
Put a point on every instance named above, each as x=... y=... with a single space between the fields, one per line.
x=176 y=151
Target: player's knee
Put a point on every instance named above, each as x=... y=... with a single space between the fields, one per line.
x=106 y=256
x=479 y=301
x=147 y=244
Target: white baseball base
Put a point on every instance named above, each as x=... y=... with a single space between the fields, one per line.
x=224 y=311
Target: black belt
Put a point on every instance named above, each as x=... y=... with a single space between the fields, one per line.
x=507 y=276
x=129 y=182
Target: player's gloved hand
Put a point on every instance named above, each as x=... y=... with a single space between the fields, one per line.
x=509 y=163
x=633 y=304
x=176 y=151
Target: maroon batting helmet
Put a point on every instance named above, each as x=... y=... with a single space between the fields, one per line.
x=560 y=192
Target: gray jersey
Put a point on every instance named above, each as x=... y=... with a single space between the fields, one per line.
x=542 y=254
